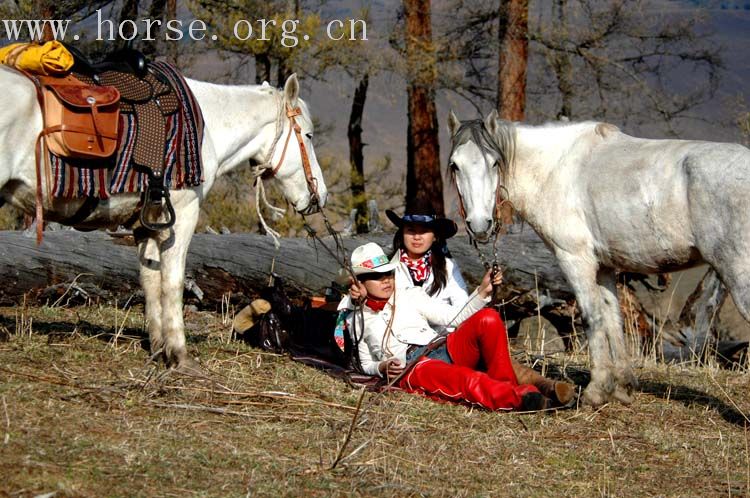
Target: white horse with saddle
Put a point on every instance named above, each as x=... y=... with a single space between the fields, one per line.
x=603 y=200
x=242 y=123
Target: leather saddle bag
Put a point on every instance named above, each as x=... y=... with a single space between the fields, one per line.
x=80 y=120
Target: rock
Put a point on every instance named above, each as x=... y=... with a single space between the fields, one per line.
x=538 y=335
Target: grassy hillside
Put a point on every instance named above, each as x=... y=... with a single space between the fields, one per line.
x=83 y=413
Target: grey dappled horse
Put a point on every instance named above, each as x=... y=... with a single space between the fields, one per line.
x=603 y=200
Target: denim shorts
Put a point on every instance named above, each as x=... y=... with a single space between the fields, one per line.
x=439 y=353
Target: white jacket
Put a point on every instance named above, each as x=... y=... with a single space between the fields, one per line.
x=453 y=294
x=415 y=312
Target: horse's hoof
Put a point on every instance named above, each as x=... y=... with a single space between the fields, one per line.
x=189 y=366
x=594 y=396
x=623 y=394
x=625 y=377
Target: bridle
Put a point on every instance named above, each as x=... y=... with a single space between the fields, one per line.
x=498 y=228
x=268 y=171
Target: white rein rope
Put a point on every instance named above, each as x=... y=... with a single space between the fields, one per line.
x=259 y=171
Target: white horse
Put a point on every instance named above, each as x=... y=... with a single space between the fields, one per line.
x=603 y=200
x=241 y=123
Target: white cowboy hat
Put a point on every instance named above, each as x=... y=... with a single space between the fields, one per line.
x=370 y=258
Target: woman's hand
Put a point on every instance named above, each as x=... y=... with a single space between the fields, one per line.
x=357 y=290
x=485 y=288
x=391 y=368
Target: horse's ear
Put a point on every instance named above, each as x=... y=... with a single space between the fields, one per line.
x=453 y=123
x=490 y=122
x=291 y=90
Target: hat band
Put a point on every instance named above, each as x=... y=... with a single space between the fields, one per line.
x=374 y=262
x=418 y=218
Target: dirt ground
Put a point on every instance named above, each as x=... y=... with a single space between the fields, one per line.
x=84 y=413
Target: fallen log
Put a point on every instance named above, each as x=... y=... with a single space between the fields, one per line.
x=74 y=267
x=100 y=266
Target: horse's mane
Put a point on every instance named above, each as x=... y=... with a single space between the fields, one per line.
x=502 y=146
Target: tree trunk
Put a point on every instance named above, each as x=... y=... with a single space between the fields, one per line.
x=424 y=183
x=562 y=67
x=129 y=11
x=356 y=157
x=156 y=12
x=47 y=10
x=262 y=69
x=513 y=17
x=172 y=48
x=283 y=72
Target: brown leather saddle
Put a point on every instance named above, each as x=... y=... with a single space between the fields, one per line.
x=143 y=92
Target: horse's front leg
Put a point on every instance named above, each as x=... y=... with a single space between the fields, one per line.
x=600 y=313
x=150 y=275
x=625 y=379
x=173 y=256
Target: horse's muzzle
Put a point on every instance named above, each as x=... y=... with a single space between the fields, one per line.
x=481 y=237
x=486 y=226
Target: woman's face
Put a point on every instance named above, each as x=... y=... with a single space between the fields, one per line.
x=418 y=239
x=379 y=286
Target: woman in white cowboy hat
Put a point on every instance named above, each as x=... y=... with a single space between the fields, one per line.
x=396 y=325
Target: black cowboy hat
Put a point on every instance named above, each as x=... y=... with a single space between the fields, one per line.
x=443 y=227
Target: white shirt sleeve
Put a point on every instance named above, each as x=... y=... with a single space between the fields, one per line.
x=369 y=347
x=447 y=316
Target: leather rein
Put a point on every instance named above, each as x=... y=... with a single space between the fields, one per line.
x=498 y=229
x=312 y=183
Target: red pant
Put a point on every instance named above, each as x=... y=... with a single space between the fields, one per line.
x=481 y=338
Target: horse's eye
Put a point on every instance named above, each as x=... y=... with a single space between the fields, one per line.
x=309 y=136
x=453 y=166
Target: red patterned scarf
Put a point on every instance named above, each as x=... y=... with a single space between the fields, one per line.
x=376 y=305
x=420 y=269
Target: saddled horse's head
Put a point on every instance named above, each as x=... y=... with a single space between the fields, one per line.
x=476 y=165
x=292 y=161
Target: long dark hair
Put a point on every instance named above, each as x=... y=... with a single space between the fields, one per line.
x=439 y=253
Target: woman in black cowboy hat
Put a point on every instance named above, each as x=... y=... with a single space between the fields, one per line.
x=420 y=246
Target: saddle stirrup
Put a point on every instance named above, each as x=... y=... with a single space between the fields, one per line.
x=153 y=197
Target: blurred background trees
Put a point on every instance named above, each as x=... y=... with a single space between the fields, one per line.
x=652 y=68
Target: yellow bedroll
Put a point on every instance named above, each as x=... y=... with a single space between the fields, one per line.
x=50 y=59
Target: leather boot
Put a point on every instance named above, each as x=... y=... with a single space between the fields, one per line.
x=534 y=402
x=558 y=391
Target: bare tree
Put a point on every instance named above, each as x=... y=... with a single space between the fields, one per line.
x=223 y=18
x=626 y=62
x=629 y=61
x=356 y=154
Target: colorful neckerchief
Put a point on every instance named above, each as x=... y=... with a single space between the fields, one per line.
x=376 y=304
x=420 y=269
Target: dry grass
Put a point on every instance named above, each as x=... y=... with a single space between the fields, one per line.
x=83 y=413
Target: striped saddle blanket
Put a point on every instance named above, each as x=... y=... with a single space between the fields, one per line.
x=183 y=167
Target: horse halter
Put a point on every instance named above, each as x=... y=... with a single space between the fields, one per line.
x=500 y=201
x=312 y=184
